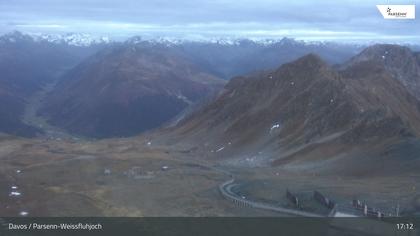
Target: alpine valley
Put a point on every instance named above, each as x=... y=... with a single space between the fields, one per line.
x=95 y=127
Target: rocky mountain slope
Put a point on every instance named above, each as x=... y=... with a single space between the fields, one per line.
x=400 y=62
x=307 y=112
x=127 y=89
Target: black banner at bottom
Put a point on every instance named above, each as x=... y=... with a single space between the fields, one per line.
x=213 y=226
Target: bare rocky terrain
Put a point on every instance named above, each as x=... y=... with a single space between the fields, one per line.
x=108 y=178
x=135 y=177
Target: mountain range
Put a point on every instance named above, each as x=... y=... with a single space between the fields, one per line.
x=307 y=113
x=125 y=90
x=87 y=127
x=178 y=70
x=108 y=89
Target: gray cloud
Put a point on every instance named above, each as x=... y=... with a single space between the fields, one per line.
x=330 y=20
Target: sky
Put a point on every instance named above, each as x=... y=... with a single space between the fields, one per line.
x=329 y=20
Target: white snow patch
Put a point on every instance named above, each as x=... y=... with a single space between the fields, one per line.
x=18 y=171
x=292 y=83
x=383 y=56
x=23 y=213
x=15 y=193
x=220 y=149
x=149 y=143
x=14 y=187
x=251 y=159
x=183 y=98
x=275 y=126
x=341 y=214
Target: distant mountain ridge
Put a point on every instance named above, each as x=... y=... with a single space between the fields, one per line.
x=118 y=64
x=85 y=39
x=222 y=57
x=72 y=39
x=151 y=64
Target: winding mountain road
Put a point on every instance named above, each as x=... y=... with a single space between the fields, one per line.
x=226 y=190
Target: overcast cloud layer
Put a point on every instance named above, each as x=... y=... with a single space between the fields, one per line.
x=309 y=20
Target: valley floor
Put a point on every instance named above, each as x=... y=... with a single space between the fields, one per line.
x=32 y=118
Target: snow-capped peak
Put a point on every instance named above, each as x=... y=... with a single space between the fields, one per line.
x=228 y=41
x=14 y=37
x=167 y=41
x=75 y=39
